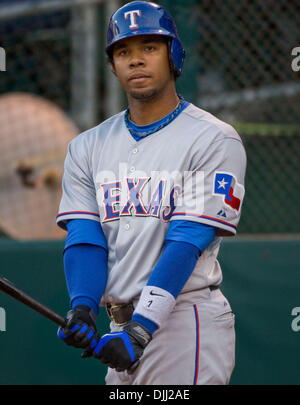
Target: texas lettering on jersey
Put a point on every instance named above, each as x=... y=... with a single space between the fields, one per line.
x=145 y=196
x=112 y=196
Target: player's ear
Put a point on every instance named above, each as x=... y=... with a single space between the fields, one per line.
x=113 y=68
x=110 y=60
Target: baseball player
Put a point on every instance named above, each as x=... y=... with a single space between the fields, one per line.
x=147 y=197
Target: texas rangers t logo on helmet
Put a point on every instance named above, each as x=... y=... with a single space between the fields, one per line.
x=133 y=14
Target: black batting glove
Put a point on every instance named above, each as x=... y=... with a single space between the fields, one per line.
x=80 y=330
x=122 y=350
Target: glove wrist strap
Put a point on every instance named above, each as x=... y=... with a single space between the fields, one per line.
x=139 y=333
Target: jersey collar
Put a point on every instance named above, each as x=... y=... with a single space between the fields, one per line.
x=141 y=131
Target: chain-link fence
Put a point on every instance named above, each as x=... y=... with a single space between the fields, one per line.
x=241 y=66
x=50 y=90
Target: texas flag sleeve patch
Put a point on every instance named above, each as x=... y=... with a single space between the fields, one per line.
x=226 y=186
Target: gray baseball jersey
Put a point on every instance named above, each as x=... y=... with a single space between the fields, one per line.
x=192 y=169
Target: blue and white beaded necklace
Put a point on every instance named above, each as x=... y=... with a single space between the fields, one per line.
x=141 y=131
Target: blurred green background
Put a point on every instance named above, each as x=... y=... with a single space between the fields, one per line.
x=261 y=280
x=239 y=68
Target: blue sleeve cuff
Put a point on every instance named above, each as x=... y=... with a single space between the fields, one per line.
x=199 y=235
x=89 y=302
x=85 y=231
x=150 y=325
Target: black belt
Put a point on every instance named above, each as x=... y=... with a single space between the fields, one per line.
x=120 y=314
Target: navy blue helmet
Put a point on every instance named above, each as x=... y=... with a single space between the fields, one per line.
x=145 y=18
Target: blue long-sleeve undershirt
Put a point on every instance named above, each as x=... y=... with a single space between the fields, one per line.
x=85 y=263
x=86 y=274
x=85 y=260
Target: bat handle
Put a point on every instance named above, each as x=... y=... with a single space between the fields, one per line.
x=60 y=321
x=9 y=288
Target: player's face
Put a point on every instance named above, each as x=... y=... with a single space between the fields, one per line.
x=142 y=66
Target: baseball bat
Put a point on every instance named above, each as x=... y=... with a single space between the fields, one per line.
x=9 y=288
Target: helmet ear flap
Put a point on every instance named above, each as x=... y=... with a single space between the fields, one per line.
x=177 y=54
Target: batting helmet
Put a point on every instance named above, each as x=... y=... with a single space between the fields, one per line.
x=144 y=18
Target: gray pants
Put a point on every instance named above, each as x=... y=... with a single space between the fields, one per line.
x=195 y=347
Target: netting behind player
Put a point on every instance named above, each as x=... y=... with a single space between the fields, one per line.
x=241 y=65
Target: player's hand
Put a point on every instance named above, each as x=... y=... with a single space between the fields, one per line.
x=121 y=350
x=80 y=330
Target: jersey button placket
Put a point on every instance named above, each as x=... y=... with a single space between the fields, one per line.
x=131 y=171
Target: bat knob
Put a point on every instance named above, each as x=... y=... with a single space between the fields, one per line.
x=133 y=367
